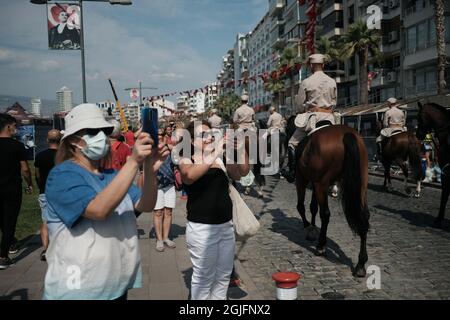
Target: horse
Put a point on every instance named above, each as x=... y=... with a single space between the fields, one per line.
x=331 y=154
x=435 y=118
x=399 y=149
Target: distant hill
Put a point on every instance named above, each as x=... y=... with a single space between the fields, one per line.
x=47 y=109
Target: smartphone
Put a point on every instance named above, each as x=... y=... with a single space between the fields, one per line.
x=149 y=118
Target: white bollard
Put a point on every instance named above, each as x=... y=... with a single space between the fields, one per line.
x=287 y=283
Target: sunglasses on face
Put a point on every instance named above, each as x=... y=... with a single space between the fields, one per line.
x=93 y=132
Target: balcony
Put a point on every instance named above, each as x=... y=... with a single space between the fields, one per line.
x=278 y=7
x=279 y=43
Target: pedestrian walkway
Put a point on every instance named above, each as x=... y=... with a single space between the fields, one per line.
x=166 y=275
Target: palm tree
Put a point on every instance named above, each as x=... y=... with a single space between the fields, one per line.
x=440 y=39
x=276 y=86
x=289 y=59
x=329 y=49
x=360 y=40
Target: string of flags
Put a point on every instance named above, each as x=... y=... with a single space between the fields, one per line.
x=265 y=77
x=311 y=13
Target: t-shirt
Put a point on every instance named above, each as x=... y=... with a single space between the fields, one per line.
x=209 y=200
x=69 y=194
x=44 y=162
x=120 y=152
x=11 y=153
x=166 y=174
x=129 y=138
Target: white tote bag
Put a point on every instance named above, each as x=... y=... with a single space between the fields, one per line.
x=245 y=223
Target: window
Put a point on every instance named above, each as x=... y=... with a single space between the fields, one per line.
x=422 y=35
x=351 y=14
x=411 y=39
x=432 y=32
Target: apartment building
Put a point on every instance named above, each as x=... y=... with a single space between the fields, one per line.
x=226 y=74
x=260 y=60
x=211 y=95
x=240 y=62
x=408 y=45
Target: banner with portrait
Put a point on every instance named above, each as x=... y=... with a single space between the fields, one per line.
x=64 y=26
x=26 y=135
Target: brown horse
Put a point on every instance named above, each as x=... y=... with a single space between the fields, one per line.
x=399 y=149
x=435 y=118
x=335 y=154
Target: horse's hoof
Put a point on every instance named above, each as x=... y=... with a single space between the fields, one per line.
x=437 y=224
x=260 y=195
x=360 y=272
x=320 y=252
x=417 y=195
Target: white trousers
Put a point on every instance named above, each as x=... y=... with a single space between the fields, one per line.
x=212 y=254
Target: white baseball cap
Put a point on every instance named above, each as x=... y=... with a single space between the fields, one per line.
x=316 y=58
x=392 y=100
x=244 y=97
x=86 y=116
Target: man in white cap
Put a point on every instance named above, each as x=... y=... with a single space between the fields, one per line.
x=214 y=120
x=316 y=99
x=244 y=116
x=394 y=120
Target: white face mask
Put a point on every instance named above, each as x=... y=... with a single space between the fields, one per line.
x=97 y=146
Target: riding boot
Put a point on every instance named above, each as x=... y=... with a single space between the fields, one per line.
x=290 y=175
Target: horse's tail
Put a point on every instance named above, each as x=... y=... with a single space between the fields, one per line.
x=354 y=186
x=414 y=156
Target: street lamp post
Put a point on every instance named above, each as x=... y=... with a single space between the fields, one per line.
x=83 y=64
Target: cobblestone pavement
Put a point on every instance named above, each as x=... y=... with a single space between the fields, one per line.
x=414 y=259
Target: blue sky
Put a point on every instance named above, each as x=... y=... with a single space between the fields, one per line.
x=170 y=44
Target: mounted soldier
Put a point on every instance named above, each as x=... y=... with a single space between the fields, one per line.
x=214 y=120
x=394 y=122
x=244 y=116
x=316 y=100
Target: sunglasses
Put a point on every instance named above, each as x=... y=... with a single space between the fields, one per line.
x=94 y=132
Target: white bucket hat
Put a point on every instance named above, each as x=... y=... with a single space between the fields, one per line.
x=86 y=116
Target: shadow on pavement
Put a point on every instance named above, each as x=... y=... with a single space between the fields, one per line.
x=27 y=246
x=381 y=189
x=292 y=228
x=22 y=294
x=175 y=232
x=419 y=219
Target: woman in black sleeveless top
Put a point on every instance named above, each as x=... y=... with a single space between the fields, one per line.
x=209 y=231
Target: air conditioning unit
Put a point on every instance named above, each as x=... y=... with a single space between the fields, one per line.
x=393 y=4
x=391 y=76
x=393 y=36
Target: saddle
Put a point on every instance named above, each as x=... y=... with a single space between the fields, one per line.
x=320 y=125
x=396 y=132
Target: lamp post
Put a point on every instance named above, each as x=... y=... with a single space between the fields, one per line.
x=140 y=91
x=80 y=3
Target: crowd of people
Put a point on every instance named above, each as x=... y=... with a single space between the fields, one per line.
x=94 y=181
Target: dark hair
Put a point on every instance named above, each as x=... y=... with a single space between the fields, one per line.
x=6 y=119
x=191 y=127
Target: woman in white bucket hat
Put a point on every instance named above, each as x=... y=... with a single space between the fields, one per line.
x=94 y=252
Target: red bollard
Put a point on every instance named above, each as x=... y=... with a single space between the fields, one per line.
x=286 y=283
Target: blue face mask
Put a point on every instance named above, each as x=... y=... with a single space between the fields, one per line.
x=97 y=146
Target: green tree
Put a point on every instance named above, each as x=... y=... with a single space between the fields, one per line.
x=440 y=44
x=289 y=59
x=329 y=49
x=360 y=40
x=226 y=105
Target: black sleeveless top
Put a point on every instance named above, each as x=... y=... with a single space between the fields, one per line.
x=209 y=200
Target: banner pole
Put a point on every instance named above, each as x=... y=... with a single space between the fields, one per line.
x=83 y=65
